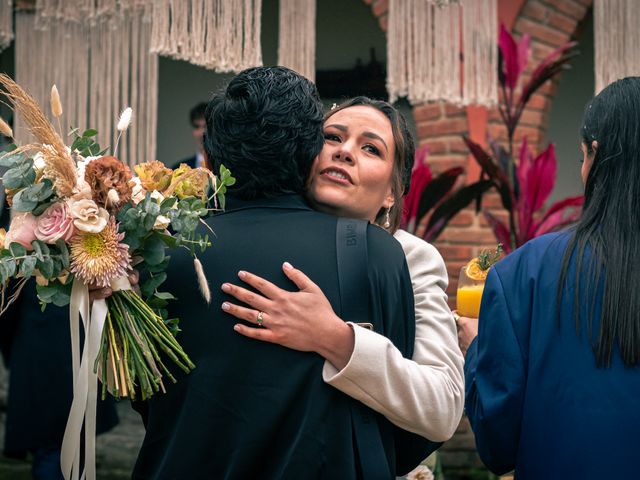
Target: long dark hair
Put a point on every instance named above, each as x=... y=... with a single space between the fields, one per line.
x=404 y=154
x=609 y=229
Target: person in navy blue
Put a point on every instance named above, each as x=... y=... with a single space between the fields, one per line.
x=553 y=376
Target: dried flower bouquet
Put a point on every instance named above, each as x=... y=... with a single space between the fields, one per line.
x=83 y=218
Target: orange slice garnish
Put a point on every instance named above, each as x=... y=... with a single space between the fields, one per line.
x=474 y=272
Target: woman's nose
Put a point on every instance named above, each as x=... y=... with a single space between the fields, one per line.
x=344 y=154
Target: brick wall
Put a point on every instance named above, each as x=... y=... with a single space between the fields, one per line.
x=549 y=23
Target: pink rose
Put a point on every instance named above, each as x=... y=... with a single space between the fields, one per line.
x=55 y=223
x=22 y=230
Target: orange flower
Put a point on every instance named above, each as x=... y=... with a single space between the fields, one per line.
x=154 y=176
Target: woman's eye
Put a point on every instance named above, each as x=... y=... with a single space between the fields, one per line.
x=331 y=137
x=372 y=149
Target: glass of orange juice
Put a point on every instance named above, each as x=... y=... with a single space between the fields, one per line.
x=469 y=294
x=471 y=282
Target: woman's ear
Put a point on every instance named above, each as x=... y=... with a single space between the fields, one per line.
x=594 y=147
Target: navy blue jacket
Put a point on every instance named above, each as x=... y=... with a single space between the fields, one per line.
x=535 y=398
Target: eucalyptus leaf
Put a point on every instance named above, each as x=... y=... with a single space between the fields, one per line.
x=28 y=265
x=90 y=133
x=149 y=286
x=46 y=267
x=39 y=210
x=17 y=250
x=164 y=296
x=64 y=253
x=11 y=160
x=168 y=240
x=155 y=302
x=159 y=268
x=149 y=221
x=153 y=252
x=37 y=248
x=20 y=176
x=22 y=202
x=45 y=292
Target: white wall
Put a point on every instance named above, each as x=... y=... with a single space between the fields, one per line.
x=575 y=89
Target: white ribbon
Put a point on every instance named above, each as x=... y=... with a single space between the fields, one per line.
x=85 y=381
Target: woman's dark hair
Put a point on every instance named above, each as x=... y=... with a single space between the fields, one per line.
x=266 y=127
x=609 y=230
x=404 y=154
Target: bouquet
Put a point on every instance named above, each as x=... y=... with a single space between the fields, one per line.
x=81 y=218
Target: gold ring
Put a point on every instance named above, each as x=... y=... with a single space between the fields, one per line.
x=456 y=317
x=260 y=319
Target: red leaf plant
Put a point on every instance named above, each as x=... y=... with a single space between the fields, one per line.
x=524 y=186
x=431 y=201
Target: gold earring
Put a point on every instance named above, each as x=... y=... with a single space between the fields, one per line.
x=387 y=222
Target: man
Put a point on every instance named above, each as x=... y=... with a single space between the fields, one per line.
x=198 y=126
x=251 y=409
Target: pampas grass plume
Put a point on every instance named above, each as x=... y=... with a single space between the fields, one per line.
x=5 y=129
x=125 y=119
x=56 y=104
x=202 y=280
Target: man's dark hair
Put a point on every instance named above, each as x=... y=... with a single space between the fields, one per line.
x=197 y=112
x=266 y=127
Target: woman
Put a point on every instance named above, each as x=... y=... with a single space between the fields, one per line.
x=362 y=172
x=553 y=386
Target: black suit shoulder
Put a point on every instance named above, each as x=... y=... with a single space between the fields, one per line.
x=383 y=248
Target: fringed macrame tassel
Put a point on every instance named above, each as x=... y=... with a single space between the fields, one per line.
x=6 y=23
x=297 y=36
x=222 y=35
x=99 y=65
x=617 y=40
x=424 y=45
x=480 y=64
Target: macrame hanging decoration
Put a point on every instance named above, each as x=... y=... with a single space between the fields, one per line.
x=97 y=54
x=6 y=23
x=424 y=42
x=297 y=36
x=617 y=40
x=480 y=63
x=221 y=35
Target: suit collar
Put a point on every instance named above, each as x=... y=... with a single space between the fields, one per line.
x=288 y=201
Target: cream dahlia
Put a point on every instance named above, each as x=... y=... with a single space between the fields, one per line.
x=97 y=258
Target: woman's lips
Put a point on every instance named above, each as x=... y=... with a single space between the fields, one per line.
x=337 y=175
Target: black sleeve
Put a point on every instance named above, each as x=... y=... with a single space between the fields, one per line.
x=9 y=321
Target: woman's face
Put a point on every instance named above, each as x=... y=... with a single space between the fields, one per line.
x=351 y=177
